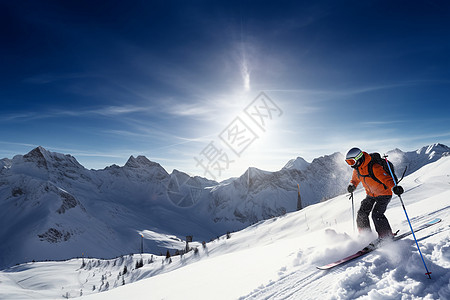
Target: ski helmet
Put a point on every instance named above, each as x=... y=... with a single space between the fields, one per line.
x=354 y=157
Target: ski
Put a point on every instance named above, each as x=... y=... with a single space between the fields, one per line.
x=372 y=247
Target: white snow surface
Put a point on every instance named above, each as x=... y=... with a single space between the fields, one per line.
x=274 y=259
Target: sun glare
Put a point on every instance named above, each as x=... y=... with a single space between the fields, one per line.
x=245 y=75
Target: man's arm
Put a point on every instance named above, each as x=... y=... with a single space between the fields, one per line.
x=355 y=179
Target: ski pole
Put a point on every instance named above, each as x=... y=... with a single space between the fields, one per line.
x=353 y=212
x=409 y=222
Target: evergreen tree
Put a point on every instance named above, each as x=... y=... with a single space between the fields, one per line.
x=139 y=263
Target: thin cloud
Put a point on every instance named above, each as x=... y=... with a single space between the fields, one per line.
x=106 y=111
x=119 y=110
x=191 y=110
x=26 y=116
x=358 y=90
x=382 y=123
x=161 y=135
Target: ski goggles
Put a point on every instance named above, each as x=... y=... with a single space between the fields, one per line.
x=352 y=161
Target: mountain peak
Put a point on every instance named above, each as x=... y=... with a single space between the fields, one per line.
x=38 y=150
x=299 y=164
x=439 y=147
x=5 y=163
x=37 y=155
x=433 y=149
x=45 y=159
x=140 y=162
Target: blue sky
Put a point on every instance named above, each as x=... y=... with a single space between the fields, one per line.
x=103 y=80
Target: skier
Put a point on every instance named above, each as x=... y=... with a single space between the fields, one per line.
x=378 y=195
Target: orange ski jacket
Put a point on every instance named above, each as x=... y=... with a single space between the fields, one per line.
x=373 y=188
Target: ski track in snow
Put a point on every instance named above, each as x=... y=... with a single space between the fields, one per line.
x=286 y=287
x=373 y=274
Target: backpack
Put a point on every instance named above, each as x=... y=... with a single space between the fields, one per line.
x=376 y=159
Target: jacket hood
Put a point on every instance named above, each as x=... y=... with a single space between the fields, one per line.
x=366 y=161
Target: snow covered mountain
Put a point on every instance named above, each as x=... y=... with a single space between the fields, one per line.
x=299 y=163
x=273 y=259
x=259 y=195
x=52 y=207
x=414 y=160
x=5 y=163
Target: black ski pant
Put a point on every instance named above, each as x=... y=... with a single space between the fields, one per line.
x=376 y=205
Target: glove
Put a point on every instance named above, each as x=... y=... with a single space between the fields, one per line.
x=351 y=188
x=398 y=190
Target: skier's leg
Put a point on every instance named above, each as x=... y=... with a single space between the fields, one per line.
x=362 y=219
x=379 y=219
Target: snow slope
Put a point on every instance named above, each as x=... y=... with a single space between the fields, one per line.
x=274 y=259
